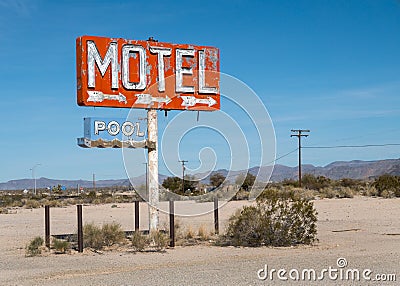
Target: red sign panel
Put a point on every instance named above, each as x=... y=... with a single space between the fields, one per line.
x=146 y=74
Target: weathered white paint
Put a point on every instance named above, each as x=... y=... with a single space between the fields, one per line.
x=192 y=101
x=99 y=126
x=98 y=96
x=180 y=70
x=145 y=98
x=114 y=128
x=94 y=58
x=127 y=52
x=202 y=78
x=152 y=133
x=161 y=53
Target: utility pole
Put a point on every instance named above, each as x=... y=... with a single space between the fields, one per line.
x=183 y=175
x=34 y=177
x=94 y=182
x=299 y=134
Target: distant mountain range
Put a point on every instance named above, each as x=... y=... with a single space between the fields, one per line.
x=341 y=169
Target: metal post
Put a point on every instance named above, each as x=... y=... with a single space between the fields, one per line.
x=136 y=215
x=152 y=130
x=80 y=229
x=216 y=222
x=47 y=225
x=171 y=223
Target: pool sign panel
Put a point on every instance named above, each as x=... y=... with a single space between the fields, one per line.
x=115 y=132
x=147 y=74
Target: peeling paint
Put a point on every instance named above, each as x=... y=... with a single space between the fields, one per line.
x=160 y=69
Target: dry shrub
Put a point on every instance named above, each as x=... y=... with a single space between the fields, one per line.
x=109 y=200
x=345 y=192
x=371 y=191
x=387 y=194
x=54 y=203
x=202 y=233
x=17 y=204
x=276 y=220
x=97 y=237
x=34 y=247
x=61 y=246
x=159 y=240
x=327 y=193
x=32 y=204
x=92 y=236
x=139 y=241
x=97 y=202
x=112 y=233
x=189 y=233
x=178 y=228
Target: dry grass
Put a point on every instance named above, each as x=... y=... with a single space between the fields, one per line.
x=203 y=233
x=189 y=233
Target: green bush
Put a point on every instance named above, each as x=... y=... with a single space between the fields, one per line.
x=278 y=219
x=92 y=236
x=389 y=183
x=97 y=237
x=315 y=183
x=33 y=248
x=139 y=241
x=112 y=233
x=61 y=246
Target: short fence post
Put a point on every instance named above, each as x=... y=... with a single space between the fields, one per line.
x=171 y=223
x=80 y=229
x=136 y=215
x=216 y=223
x=47 y=225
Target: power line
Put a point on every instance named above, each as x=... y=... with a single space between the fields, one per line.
x=351 y=146
x=283 y=156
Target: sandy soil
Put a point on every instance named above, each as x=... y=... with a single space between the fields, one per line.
x=364 y=231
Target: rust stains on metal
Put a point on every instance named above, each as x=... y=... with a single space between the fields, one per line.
x=128 y=68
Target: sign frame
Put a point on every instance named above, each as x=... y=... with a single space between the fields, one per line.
x=114 y=72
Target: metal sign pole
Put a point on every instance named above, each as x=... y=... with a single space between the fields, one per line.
x=152 y=133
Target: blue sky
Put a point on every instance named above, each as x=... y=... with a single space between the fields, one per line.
x=329 y=66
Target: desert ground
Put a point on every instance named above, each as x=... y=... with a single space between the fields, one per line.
x=363 y=230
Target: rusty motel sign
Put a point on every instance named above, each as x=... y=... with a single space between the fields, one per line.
x=147 y=74
x=120 y=73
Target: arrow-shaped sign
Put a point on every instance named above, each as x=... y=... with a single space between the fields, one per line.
x=192 y=101
x=145 y=98
x=98 y=96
